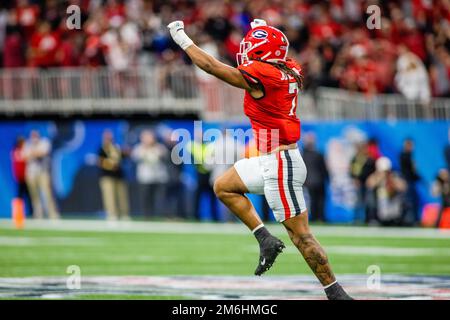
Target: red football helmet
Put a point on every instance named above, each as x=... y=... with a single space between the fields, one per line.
x=263 y=42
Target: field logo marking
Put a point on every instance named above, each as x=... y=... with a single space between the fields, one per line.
x=374 y=280
x=374 y=19
x=73 y=21
x=395 y=286
x=74 y=280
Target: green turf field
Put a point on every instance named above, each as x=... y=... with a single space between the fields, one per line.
x=39 y=252
x=46 y=249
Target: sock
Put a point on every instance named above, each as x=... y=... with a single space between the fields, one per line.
x=334 y=291
x=330 y=285
x=261 y=233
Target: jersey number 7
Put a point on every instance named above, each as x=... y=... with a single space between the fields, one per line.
x=293 y=88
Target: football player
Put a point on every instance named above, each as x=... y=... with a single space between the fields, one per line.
x=271 y=82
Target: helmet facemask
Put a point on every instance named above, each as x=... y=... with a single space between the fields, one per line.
x=244 y=48
x=242 y=57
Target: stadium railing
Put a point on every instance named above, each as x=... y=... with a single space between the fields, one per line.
x=336 y=104
x=182 y=89
x=101 y=90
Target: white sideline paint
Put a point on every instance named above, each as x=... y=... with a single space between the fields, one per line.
x=222 y=228
x=377 y=251
x=50 y=241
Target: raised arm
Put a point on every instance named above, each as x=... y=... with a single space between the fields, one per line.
x=218 y=69
x=205 y=61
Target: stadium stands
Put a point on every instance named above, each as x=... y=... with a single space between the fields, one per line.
x=123 y=60
x=329 y=38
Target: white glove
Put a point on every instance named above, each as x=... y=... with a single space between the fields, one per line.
x=176 y=29
x=257 y=23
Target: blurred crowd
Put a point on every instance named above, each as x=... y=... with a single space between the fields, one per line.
x=409 y=54
x=385 y=195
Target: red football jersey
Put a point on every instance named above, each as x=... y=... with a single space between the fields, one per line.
x=273 y=117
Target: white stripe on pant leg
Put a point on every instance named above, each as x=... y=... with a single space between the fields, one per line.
x=274 y=190
x=286 y=185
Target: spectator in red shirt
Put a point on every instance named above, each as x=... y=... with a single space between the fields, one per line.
x=18 y=167
x=361 y=74
x=93 y=55
x=373 y=149
x=323 y=26
x=13 y=49
x=232 y=44
x=413 y=39
x=26 y=16
x=69 y=52
x=115 y=11
x=44 y=47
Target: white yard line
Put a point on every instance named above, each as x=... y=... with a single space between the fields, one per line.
x=221 y=228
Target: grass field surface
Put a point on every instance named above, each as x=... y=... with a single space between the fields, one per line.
x=171 y=249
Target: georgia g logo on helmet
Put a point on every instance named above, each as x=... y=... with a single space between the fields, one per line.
x=259 y=34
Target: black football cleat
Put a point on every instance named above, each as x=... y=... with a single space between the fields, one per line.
x=269 y=250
